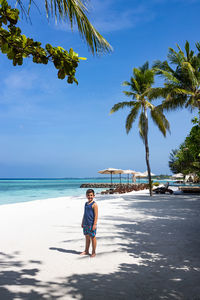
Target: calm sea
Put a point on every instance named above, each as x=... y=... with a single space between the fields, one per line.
x=24 y=190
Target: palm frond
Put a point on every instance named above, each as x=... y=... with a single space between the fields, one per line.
x=174 y=101
x=167 y=75
x=160 y=120
x=145 y=67
x=135 y=85
x=183 y=91
x=190 y=54
x=148 y=78
x=75 y=12
x=159 y=65
x=198 y=46
x=126 y=83
x=192 y=103
x=130 y=94
x=176 y=57
x=121 y=105
x=182 y=82
x=155 y=93
x=187 y=50
x=189 y=70
x=132 y=116
x=180 y=51
x=143 y=126
x=24 y=10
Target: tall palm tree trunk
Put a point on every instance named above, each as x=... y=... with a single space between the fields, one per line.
x=199 y=111
x=147 y=153
x=148 y=166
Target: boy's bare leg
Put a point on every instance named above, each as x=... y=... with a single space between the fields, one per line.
x=87 y=245
x=94 y=245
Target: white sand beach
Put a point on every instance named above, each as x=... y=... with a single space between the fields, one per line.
x=148 y=248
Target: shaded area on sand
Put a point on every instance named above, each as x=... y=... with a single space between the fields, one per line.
x=167 y=252
x=164 y=246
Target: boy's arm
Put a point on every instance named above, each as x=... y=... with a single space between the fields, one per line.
x=95 y=207
x=82 y=221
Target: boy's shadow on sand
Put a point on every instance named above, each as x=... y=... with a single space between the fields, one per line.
x=65 y=250
x=78 y=253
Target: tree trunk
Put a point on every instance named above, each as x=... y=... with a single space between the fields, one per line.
x=147 y=154
x=199 y=114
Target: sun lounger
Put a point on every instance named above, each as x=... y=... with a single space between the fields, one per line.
x=189 y=189
x=164 y=189
x=110 y=191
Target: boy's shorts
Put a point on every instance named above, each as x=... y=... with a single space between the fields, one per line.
x=87 y=230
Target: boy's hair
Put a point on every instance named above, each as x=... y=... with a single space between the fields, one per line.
x=90 y=191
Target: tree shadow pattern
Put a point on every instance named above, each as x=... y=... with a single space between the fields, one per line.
x=165 y=250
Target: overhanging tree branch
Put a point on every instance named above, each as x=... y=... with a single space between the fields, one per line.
x=17 y=46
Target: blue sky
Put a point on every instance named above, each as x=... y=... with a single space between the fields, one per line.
x=49 y=128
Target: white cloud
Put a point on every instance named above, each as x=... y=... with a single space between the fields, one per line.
x=114 y=15
x=115 y=21
x=20 y=80
x=176 y=1
x=106 y=18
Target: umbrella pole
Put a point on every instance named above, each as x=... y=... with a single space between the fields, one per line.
x=111 y=177
x=120 y=178
x=128 y=178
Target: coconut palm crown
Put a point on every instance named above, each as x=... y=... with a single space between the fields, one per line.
x=140 y=86
x=181 y=74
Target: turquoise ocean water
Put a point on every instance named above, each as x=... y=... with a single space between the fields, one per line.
x=24 y=190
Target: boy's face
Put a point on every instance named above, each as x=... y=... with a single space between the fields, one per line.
x=90 y=196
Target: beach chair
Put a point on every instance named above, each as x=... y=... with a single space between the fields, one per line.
x=164 y=189
x=110 y=191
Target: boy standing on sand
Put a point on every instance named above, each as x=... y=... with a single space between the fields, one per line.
x=89 y=223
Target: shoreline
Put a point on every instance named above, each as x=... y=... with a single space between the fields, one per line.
x=148 y=248
x=82 y=195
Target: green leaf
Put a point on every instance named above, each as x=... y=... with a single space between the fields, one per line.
x=18 y=46
x=61 y=74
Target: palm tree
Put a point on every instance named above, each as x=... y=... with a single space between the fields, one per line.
x=75 y=11
x=140 y=85
x=173 y=163
x=182 y=83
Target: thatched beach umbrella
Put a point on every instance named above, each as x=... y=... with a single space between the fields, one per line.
x=146 y=174
x=140 y=175
x=129 y=172
x=111 y=171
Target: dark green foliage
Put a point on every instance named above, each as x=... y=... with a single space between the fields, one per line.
x=187 y=158
x=17 y=46
x=181 y=73
x=161 y=176
x=174 y=163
